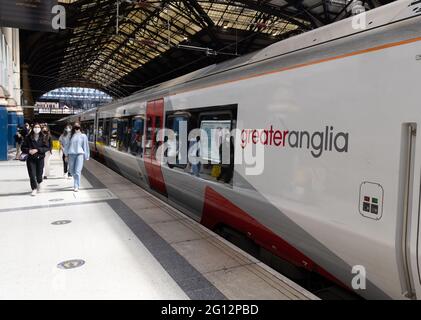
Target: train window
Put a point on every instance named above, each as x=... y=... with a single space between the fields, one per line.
x=113 y=136
x=107 y=128
x=126 y=135
x=91 y=132
x=104 y=131
x=119 y=128
x=136 y=134
x=214 y=148
x=88 y=129
x=123 y=134
x=175 y=122
x=100 y=134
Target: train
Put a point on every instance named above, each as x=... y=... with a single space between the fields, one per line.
x=335 y=114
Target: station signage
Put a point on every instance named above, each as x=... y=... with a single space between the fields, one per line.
x=54 y=107
x=27 y=14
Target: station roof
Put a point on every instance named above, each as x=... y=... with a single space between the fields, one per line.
x=160 y=40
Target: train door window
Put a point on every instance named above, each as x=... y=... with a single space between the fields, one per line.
x=137 y=126
x=156 y=141
x=149 y=136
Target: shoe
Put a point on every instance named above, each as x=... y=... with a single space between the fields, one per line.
x=34 y=193
x=76 y=189
x=39 y=187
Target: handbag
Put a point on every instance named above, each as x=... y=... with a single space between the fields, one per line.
x=23 y=157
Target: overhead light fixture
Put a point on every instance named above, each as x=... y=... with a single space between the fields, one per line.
x=225 y=24
x=207 y=51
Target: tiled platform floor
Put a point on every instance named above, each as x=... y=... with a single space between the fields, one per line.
x=134 y=245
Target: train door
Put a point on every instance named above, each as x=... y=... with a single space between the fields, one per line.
x=154 y=123
x=409 y=209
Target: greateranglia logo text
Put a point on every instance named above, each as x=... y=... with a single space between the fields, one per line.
x=317 y=142
x=216 y=143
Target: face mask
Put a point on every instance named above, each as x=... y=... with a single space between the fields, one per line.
x=68 y=129
x=37 y=130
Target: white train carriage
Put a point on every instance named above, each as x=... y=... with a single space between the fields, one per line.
x=336 y=111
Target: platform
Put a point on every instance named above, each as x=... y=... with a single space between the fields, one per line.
x=129 y=245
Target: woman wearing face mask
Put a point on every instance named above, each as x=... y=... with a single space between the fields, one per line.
x=35 y=146
x=64 y=142
x=47 y=134
x=77 y=151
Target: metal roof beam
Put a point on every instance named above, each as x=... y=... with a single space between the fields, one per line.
x=151 y=16
x=272 y=10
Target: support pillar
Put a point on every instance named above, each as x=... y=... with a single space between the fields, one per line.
x=27 y=93
x=12 y=122
x=3 y=124
x=19 y=113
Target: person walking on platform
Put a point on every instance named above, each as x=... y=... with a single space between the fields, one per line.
x=35 y=146
x=64 y=142
x=18 y=141
x=47 y=134
x=77 y=151
x=26 y=130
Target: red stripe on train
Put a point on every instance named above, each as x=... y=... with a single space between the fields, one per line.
x=219 y=210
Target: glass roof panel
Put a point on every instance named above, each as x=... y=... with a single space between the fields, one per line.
x=146 y=31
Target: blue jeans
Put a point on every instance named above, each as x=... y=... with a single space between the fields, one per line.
x=75 y=168
x=196 y=169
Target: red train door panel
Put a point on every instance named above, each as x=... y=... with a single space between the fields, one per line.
x=154 y=122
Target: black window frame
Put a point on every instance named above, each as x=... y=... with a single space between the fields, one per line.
x=196 y=116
